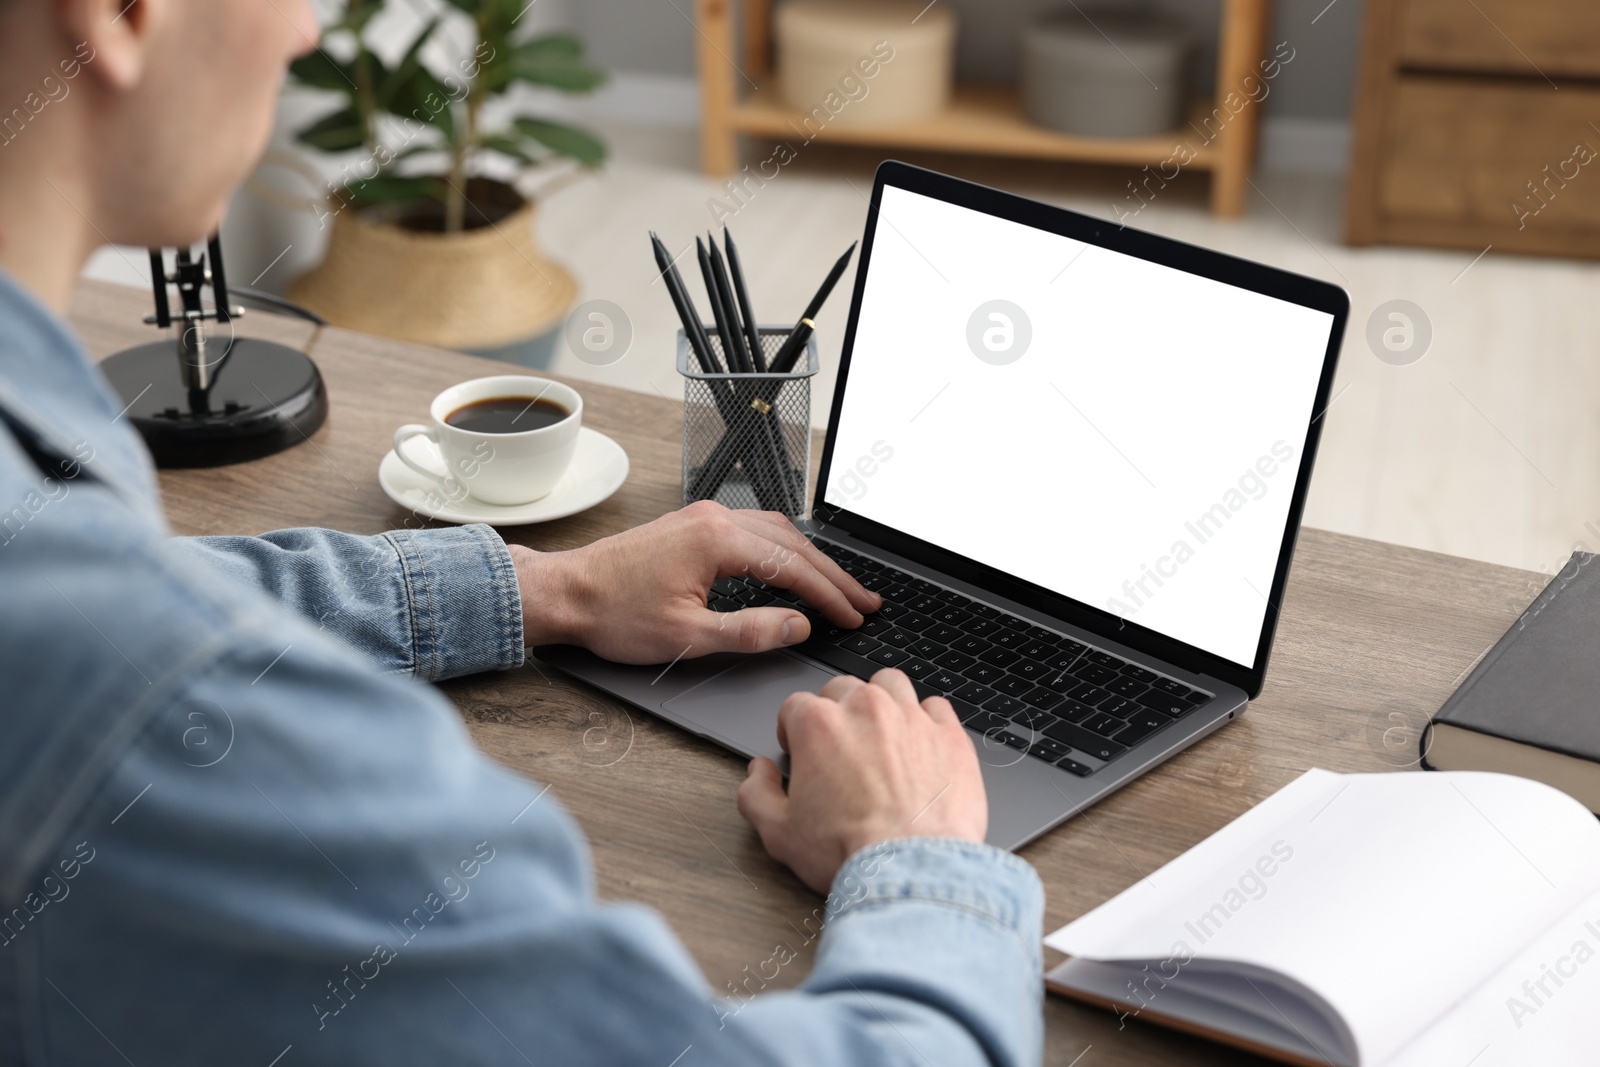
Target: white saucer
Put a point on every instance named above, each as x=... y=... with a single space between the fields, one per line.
x=598 y=469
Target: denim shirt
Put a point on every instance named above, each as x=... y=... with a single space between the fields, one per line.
x=237 y=827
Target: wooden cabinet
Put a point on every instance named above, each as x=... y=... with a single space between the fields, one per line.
x=1476 y=126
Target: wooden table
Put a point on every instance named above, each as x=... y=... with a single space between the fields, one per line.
x=1373 y=637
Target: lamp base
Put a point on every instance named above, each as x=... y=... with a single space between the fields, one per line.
x=264 y=398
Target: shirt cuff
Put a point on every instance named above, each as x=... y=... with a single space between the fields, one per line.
x=967 y=876
x=464 y=604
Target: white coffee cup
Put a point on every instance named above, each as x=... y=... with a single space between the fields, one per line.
x=498 y=468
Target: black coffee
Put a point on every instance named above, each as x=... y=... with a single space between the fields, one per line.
x=507 y=414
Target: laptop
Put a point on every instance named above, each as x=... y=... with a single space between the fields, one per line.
x=1072 y=458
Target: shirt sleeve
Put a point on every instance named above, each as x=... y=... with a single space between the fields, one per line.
x=431 y=603
x=234 y=842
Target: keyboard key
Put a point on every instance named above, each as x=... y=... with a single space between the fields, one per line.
x=1032 y=718
x=1089 y=694
x=1167 y=705
x=941 y=633
x=1039 y=633
x=951 y=615
x=983 y=672
x=972 y=646
x=1140 y=727
x=889 y=656
x=1006 y=737
x=1105 y=659
x=897 y=593
x=925 y=604
x=1121 y=707
x=1126 y=686
x=1004 y=705
x=1062 y=661
x=900 y=576
x=974 y=692
x=964 y=711
x=1094 y=672
x=1048 y=749
x=1000 y=657
x=873 y=581
x=980 y=627
x=953 y=660
x=722 y=603
x=950 y=596
x=1040 y=697
x=1073 y=710
x=925 y=648
x=875 y=624
x=1080 y=769
x=1008 y=638
x=942 y=681
x=1068 y=647
x=860 y=644
x=1036 y=650
x=898 y=638
x=839 y=659
x=1103 y=724
x=917 y=669
x=1171 y=688
x=1060 y=683
x=987 y=723
x=923 y=586
x=911 y=620
x=1031 y=670
x=1139 y=672
x=984 y=611
x=1013 y=686
x=726 y=586
x=1084 y=741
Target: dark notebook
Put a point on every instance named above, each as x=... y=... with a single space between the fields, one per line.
x=1532 y=706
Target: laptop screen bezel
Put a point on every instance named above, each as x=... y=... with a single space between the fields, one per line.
x=1268 y=281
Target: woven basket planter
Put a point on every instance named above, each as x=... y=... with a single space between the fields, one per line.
x=394 y=273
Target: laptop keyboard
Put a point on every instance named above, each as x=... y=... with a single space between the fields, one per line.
x=1016 y=683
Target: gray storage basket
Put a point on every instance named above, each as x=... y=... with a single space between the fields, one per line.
x=767 y=459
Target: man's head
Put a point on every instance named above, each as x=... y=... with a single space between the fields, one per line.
x=168 y=105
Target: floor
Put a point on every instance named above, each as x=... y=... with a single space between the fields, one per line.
x=1486 y=447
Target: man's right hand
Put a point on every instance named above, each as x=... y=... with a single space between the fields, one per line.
x=867 y=762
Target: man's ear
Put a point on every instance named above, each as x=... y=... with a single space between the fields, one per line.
x=112 y=38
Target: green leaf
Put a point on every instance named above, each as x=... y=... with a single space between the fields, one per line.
x=416 y=150
x=552 y=46
x=338 y=132
x=509 y=146
x=394 y=81
x=562 y=139
x=388 y=188
x=560 y=71
x=321 y=71
x=423 y=98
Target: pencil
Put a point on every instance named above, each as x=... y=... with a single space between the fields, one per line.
x=752 y=334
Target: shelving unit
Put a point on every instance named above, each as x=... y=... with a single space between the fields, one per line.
x=985 y=120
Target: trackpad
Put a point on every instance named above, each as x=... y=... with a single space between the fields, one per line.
x=739 y=707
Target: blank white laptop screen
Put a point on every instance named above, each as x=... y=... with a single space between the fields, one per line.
x=1116 y=431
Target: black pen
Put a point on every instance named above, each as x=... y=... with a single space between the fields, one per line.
x=693 y=329
x=783 y=362
x=725 y=302
x=752 y=333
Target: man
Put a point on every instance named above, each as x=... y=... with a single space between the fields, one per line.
x=232 y=831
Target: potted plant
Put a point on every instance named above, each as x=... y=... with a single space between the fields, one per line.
x=425 y=245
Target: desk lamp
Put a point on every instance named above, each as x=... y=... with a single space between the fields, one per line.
x=206 y=398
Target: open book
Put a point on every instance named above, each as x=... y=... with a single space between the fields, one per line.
x=1367 y=920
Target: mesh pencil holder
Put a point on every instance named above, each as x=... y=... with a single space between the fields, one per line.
x=747 y=437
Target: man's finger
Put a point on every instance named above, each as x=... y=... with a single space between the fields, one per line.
x=761 y=799
x=898 y=685
x=779 y=529
x=840 y=686
x=749 y=630
x=746 y=551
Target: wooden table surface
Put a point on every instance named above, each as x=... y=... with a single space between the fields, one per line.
x=1373 y=638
